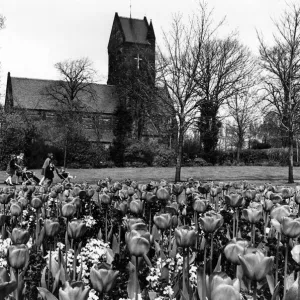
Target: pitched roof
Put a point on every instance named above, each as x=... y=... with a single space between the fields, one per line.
x=135 y=30
x=28 y=94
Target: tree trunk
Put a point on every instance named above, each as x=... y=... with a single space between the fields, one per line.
x=65 y=155
x=291 y=154
x=179 y=155
x=238 y=151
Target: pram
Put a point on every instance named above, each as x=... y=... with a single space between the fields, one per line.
x=64 y=176
x=29 y=177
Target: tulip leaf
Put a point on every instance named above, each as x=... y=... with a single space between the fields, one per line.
x=201 y=283
x=184 y=297
x=46 y=295
x=56 y=281
x=173 y=251
x=43 y=278
x=276 y=291
x=62 y=275
x=115 y=245
x=67 y=243
x=109 y=256
x=147 y=260
x=40 y=237
x=192 y=258
x=6 y=288
x=290 y=281
x=218 y=267
x=271 y=282
x=110 y=233
x=155 y=233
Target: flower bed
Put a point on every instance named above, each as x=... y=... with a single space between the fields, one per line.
x=157 y=241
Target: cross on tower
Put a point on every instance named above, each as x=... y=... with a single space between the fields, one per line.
x=138 y=61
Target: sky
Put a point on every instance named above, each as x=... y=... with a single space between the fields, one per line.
x=40 y=33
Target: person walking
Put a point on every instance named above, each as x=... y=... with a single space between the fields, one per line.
x=19 y=171
x=11 y=169
x=47 y=162
x=49 y=173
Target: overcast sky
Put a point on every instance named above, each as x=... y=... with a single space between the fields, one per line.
x=40 y=33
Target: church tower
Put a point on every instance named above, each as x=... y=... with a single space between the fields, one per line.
x=131 y=50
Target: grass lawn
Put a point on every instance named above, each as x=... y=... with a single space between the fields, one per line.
x=257 y=175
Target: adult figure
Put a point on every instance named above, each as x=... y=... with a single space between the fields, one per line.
x=47 y=162
x=11 y=169
x=19 y=171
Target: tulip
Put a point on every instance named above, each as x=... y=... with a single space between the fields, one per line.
x=234 y=200
x=279 y=212
x=222 y=287
x=235 y=248
x=18 y=256
x=255 y=265
x=73 y=291
x=15 y=210
x=51 y=228
x=177 y=189
x=4 y=198
x=121 y=207
x=68 y=210
x=287 y=193
x=19 y=236
x=6 y=286
x=290 y=227
x=162 y=194
x=136 y=206
x=250 y=194
x=185 y=237
x=268 y=205
x=200 y=205
x=296 y=254
x=252 y=215
x=130 y=223
x=103 y=279
x=137 y=245
x=36 y=203
x=162 y=221
x=211 y=222
x=76 y=229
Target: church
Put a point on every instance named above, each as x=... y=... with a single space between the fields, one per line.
x=131 y=52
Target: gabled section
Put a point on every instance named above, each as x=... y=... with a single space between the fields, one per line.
x=117 y=36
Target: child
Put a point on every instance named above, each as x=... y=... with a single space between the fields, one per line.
x=45 y=165
x=20 y=163
x=11 y=169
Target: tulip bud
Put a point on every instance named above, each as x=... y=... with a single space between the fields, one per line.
x=19 y=236
x=255 y=265
x=234 y=200
x=211 y=222
x=51 y=228
x=174 y=221
x=17 y=256
x=105 y=199
x=252 y=215
x=290 y=227
x=235 y=248
x=279 y=212
x=162 y=221
x=76 y=229
x=36 y=203
x=185 y=237
x=73 y=291
x=121 y=207
x=7 y=286
x=103 y=279
x=137 y=245
x=177 y=189
x=4 y=198
x=15 y=210
x=200 y=205
x=136 y=206
x=68 y=210
x=162 y=194
x=268 y=205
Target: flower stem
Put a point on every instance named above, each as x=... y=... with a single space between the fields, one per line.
x=233 y=225
x=237 y=221
x=277 y=258
x=136 y=277
x=211 y=252
x=253 y=234
x=254 y=290
x=106 y=225
x=188 y=270
x=285 y=270
x=204 y=274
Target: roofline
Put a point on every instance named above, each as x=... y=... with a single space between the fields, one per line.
x=132 y=18
x=39 y=79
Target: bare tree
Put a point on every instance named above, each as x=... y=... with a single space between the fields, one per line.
x=243 y=110
x=178 y=64
x=281 y=65
x=73 y=95
x=223 y=72
x=2 y=21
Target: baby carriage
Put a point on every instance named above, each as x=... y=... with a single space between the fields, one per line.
x=64 y=176
x=29 y=177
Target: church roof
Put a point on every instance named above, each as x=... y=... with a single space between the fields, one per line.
x=28 y=93
x=135 y=30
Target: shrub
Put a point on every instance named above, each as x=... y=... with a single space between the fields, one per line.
x=139 y=151
x=164 y=157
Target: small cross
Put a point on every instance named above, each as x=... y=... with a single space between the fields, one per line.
x=138 y=61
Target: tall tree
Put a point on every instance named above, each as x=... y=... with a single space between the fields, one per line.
x=73 y=94
x=281 y=65
x=223 y=72
x=178 y=64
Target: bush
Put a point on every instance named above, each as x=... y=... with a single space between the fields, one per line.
x=255 y=144
x=139 y=151
x=164 y=157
